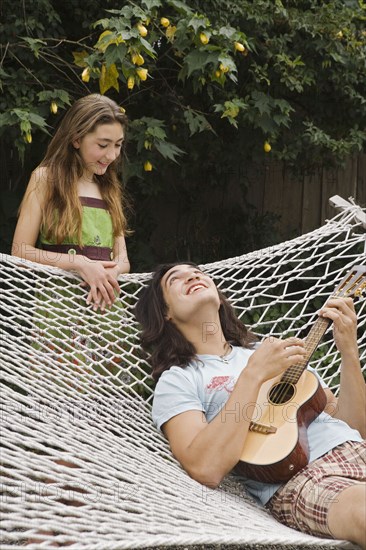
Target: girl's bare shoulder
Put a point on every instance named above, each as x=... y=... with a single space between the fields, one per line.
x=37 y=186
x=38 y=180
x=39 y=175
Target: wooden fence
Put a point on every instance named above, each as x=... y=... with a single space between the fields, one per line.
x=302 y=202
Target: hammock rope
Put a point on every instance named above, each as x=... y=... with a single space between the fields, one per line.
x=81 y=464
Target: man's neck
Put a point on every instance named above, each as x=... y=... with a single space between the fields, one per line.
x=206 y=335
x=218 y=347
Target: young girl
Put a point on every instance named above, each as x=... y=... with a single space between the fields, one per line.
x=72 y=217
x=73 y=205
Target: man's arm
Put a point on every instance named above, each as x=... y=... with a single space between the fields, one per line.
x=208 y=451
x=351 y=405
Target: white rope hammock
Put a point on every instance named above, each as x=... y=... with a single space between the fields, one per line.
x=75 y=391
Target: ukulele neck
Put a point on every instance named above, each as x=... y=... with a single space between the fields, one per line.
x=312 y=340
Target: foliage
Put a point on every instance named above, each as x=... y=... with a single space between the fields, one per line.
x=205 y=85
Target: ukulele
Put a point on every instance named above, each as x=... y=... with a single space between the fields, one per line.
x=276 y=446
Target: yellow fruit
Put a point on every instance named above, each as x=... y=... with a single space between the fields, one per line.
x=164 y=21
x=204 y=38
x=147 y=144
x=142 y=73
x=28 y=137
x=142 y=29
x=122 y=109
x=148 y=166
x=170 y=32
x=53 y=107
x=218 y=73
x=137 y=59
x=267 y=147
x=85 y=75
x=224 y=68
x=239 y=46
x=130 y=82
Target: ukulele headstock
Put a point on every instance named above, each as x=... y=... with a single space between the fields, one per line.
x=353 y=284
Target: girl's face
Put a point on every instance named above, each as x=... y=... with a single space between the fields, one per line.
x=100 y=148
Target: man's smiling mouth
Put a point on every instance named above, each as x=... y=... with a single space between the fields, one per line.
x=195 y=287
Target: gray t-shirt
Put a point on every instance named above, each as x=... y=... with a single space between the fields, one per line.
x=205 y=385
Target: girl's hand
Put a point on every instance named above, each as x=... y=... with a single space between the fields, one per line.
x=113 y=272
x=103 y=285
x=274 y=356
x=342 y=312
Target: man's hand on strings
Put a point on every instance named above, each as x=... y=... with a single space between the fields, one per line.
x=342 y=312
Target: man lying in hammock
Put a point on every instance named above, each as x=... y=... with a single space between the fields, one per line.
x=210 y=369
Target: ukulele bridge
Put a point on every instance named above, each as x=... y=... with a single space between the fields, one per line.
x=262 y=428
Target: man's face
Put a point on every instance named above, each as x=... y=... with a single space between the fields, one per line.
x=186 y=289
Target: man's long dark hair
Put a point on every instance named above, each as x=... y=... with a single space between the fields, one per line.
x=162 y=340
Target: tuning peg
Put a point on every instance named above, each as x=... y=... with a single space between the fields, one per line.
x=359 y=292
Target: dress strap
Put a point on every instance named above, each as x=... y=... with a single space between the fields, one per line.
x=93 y=202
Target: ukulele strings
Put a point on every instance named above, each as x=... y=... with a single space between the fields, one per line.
x=295 y=371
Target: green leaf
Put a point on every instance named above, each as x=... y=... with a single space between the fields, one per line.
x=104 y=23
x=155 y=132
x=196 y=122
x=229 y=32
x=25 y=126
x=198 y=59
x=115 y=52
x=35 y=44
x=49 y=95
x=21 y=114
x=261 y=102
x=37 y=120
x=151 y=4
x=168 y=150
x=8 y=119
x=3 y=73
x=197 y=22
x=181 y=7
x=338 y=58
x=148 y=48
x=228 y=62
x=266 y=123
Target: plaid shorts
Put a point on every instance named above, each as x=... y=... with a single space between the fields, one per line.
x=303 y=502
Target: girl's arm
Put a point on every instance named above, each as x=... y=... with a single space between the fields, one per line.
x=26 y=234
x=120 y=255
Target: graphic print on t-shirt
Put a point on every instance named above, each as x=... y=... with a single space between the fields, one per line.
x=221 y=383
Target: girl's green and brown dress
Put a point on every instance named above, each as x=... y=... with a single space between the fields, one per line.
x=66 y=327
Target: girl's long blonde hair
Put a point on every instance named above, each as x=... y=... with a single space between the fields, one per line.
x=65 y=167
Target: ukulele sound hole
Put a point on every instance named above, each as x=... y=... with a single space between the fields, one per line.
x=281 y=393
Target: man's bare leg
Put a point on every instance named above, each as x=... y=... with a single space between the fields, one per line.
x=347 y=515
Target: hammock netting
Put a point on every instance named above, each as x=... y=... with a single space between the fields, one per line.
x=81 y=463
